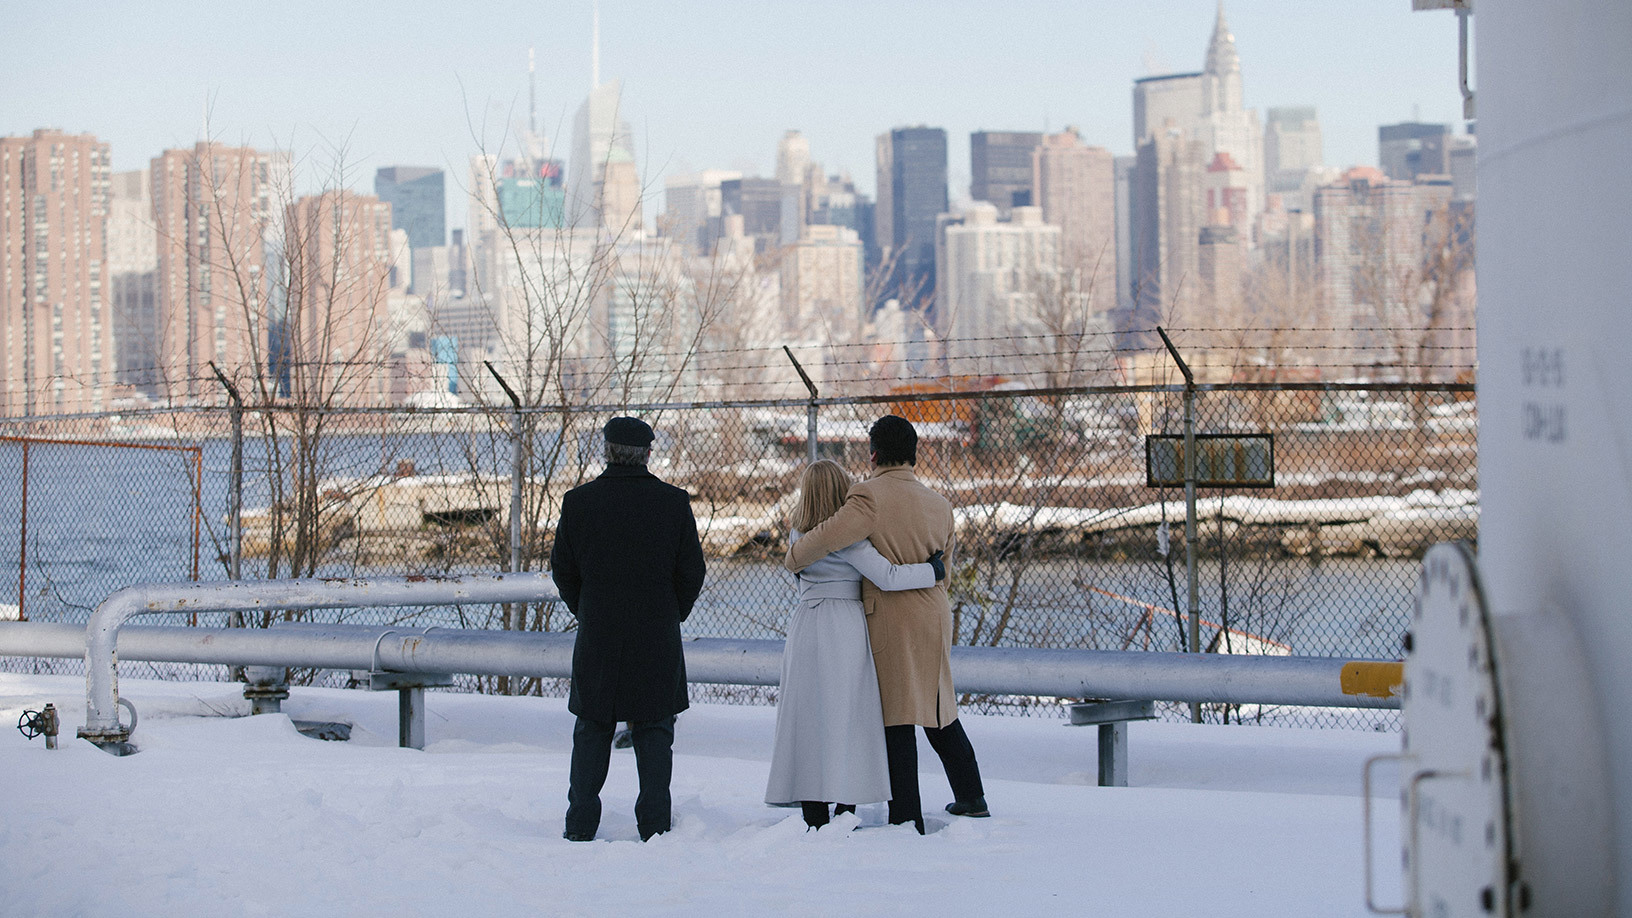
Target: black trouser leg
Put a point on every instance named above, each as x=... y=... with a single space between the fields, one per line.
x=815 y=812
x=901 y=752
x=958 y=758
x=839 y=809
x=591 y=755
x=654 y=763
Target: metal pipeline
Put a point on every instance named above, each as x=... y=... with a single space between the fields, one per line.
x=1213 y=678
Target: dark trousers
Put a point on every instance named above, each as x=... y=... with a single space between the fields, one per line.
x=592 y=756
x=957 y=757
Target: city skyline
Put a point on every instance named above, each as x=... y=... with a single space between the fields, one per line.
x=705 y=86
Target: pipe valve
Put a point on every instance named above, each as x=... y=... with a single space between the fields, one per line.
x=40 y=723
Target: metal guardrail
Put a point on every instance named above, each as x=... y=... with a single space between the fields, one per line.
x=1209 y=678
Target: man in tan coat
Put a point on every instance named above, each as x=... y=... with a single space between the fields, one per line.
x=910 y=630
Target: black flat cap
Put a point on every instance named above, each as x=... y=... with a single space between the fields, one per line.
x=628 y=432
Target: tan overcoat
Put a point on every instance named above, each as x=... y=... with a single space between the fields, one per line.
x=910 y=630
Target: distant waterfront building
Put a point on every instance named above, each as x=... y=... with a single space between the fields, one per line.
x=999 y=279
x=1292 y=149
x=822 y=287
x=1168 y=213
x=417 y=200
x=792 y=158
x=1124 y=170
x=1405 y=151
x=759 y=202
x=221 y=249
x=1075 y=185
x=1000 y=168
x=603 y=151
x=1374 y=238
x=692 y=208
x=335 y=325
x=133 y=262
x=911 y=197
x=58 y=350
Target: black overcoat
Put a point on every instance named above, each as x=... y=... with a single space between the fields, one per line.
x=628 y=564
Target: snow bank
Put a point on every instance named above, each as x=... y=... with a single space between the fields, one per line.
x=225 y=814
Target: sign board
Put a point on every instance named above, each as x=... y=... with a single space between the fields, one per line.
x=1222 y=460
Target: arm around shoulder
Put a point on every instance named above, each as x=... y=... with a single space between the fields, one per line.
x=850 y=525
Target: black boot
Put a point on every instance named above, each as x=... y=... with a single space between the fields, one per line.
x=815 y=813
x=839 y=809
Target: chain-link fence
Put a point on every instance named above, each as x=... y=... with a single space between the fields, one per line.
x=1061 y=542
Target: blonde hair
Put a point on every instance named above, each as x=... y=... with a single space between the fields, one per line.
x=822 y=489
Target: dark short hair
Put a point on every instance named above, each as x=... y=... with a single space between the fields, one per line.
x=893 y=441
x=624 y=454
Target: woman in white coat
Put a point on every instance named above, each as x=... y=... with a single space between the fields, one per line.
x=829 y=723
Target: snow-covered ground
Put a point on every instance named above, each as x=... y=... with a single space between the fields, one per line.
x=221 y=814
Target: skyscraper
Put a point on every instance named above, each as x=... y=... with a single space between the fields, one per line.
x=911 y=195
x=417 y=201
x=133 y=261
x=334 y=330
x=1075 y=185
x=1226 y=125
x=1292 y=149
x=219 y=251
x=1405 y=151
x=999 y=279
x=1168 y=215
x=603 y=150
x=57 y=352
x=1000 y=168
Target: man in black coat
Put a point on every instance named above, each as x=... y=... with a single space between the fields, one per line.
x=628 y=564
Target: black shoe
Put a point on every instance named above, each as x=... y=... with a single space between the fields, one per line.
x=570 y=835
x=975 y=808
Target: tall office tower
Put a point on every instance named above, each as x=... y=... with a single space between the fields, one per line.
x=1374 y=238
x=822 y=287
x=1158 y=101
x=133 y=261
x=999 y=279
x=1220 y=257
x=692 y=208
x=58 y=352
x=335 y=338
x=1224 y=196
x=1075 y=185
x=1292 y=149
x=912 y=174
x=601 y=139
x=1124 y=169
x=759 y=202
x=1405 y=151
x=1226 y=126
x=792 y=158
x=1169 y=211
x=1000 y=168
x=219 y=289
x=530 y=195
x=417 y=201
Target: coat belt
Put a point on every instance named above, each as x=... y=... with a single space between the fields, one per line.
x=811 y=590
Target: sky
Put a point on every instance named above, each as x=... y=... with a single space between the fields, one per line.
x=707 y=83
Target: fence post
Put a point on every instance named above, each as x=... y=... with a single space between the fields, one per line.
x=513 y=612
x=235 y=490
x=810 y=408
x=1189 y=504
x=22 y=545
